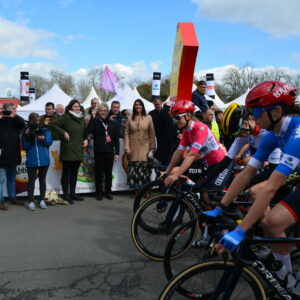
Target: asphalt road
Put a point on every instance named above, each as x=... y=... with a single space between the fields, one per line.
x=80 y=251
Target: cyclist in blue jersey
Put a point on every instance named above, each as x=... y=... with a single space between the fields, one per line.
x=272 y=104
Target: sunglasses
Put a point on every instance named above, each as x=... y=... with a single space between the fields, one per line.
x=256 y=112
x=178 y=117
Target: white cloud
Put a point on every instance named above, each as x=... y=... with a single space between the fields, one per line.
x=136 y=71
x=221 y=71
x=66 y=3
x=279 y=18
x=18 y=41
x=155 y=66
x=9 y=77
x=71 y=37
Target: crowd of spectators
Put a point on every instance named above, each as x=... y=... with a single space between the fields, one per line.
x=145 y=135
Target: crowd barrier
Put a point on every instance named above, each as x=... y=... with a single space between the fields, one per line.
x=85 y=179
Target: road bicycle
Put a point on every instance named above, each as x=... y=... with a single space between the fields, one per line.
x=246 y=276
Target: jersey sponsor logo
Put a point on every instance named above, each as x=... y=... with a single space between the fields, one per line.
x=197 y=146
x=290 y=161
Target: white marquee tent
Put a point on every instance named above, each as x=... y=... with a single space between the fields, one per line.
x=87 y=102
x=240 y=100
x=55 y=95
x=129 y=96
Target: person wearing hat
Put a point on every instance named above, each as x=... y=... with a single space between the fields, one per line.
x=198 y=97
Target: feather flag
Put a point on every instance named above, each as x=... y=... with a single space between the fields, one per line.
x=109 y=83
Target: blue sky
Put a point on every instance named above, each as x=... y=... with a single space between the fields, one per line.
x=137 y=37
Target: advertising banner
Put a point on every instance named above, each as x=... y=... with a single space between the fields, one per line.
x=85 y=179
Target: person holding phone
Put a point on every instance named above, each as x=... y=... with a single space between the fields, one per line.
x=36 y=141
x=10 y=156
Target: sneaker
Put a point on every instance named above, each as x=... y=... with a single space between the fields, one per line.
x=43 y=204
x=31 y=206
x=296 y=289
x=202 y=243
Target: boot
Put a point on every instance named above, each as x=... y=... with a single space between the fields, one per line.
x=65 y=189
x=73 y=195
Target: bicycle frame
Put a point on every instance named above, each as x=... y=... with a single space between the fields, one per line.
x=230 y=278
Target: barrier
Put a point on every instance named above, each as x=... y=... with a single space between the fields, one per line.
x=85 y=179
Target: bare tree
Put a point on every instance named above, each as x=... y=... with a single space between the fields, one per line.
x=41 y=85
x=83 y=89
x=236 y=81
x=65 y=82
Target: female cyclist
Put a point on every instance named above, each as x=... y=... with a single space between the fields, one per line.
x=237 y=122
x=272 y=104
x=195 y=135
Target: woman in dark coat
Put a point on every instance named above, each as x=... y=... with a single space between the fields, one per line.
x=72 y=132
x=105 y=133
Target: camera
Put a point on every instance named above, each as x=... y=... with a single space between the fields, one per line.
x=6 y=113
x=34 y=129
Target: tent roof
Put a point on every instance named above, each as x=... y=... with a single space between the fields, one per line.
x=55 y=95
x=87 y=102
x=129 y=96
x=240 y=100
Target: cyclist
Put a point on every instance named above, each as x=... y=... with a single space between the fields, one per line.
x=272 y=104
x=238 y=122
x=197 y=137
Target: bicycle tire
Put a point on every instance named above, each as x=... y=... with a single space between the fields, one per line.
x=210 y=272
x=144 y=231
x=147 y=187
x=177 y=256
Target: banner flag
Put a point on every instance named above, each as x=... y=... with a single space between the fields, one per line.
x=109 y=83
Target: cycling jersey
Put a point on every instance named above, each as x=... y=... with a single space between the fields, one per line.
x=254 y=141
x=288 y=140
x=202 y=141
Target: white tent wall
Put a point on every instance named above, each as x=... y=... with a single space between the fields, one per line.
x=240 y=100
x=87 y=102
x=55 y=95
x=129 y=96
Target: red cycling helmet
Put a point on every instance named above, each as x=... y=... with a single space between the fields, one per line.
x=271 y=93
x=182 y=107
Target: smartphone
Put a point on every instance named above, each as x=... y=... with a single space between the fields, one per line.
x=6 y=113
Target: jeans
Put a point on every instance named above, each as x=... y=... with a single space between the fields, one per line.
x=10 y=173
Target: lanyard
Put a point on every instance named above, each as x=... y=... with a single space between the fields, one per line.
x=107 y=137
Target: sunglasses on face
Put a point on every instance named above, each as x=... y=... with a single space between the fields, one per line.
x=256 y=112
x=178 y=117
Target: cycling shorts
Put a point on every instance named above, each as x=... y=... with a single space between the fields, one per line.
x=197 y=170
x=292 y=204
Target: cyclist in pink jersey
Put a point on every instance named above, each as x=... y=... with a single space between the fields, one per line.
x=197 y=137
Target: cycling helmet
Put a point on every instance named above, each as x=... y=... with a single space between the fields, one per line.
x=271 y=93
x=233 y=118
x=182 y=107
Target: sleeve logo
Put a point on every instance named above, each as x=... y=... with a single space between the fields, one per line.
x=289 y=161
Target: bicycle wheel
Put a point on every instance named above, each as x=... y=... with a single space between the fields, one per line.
x=156 y=187
x=179 y=254
x=202 y=279
x=148 y=230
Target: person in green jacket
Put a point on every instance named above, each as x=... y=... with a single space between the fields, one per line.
x=72 y=131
